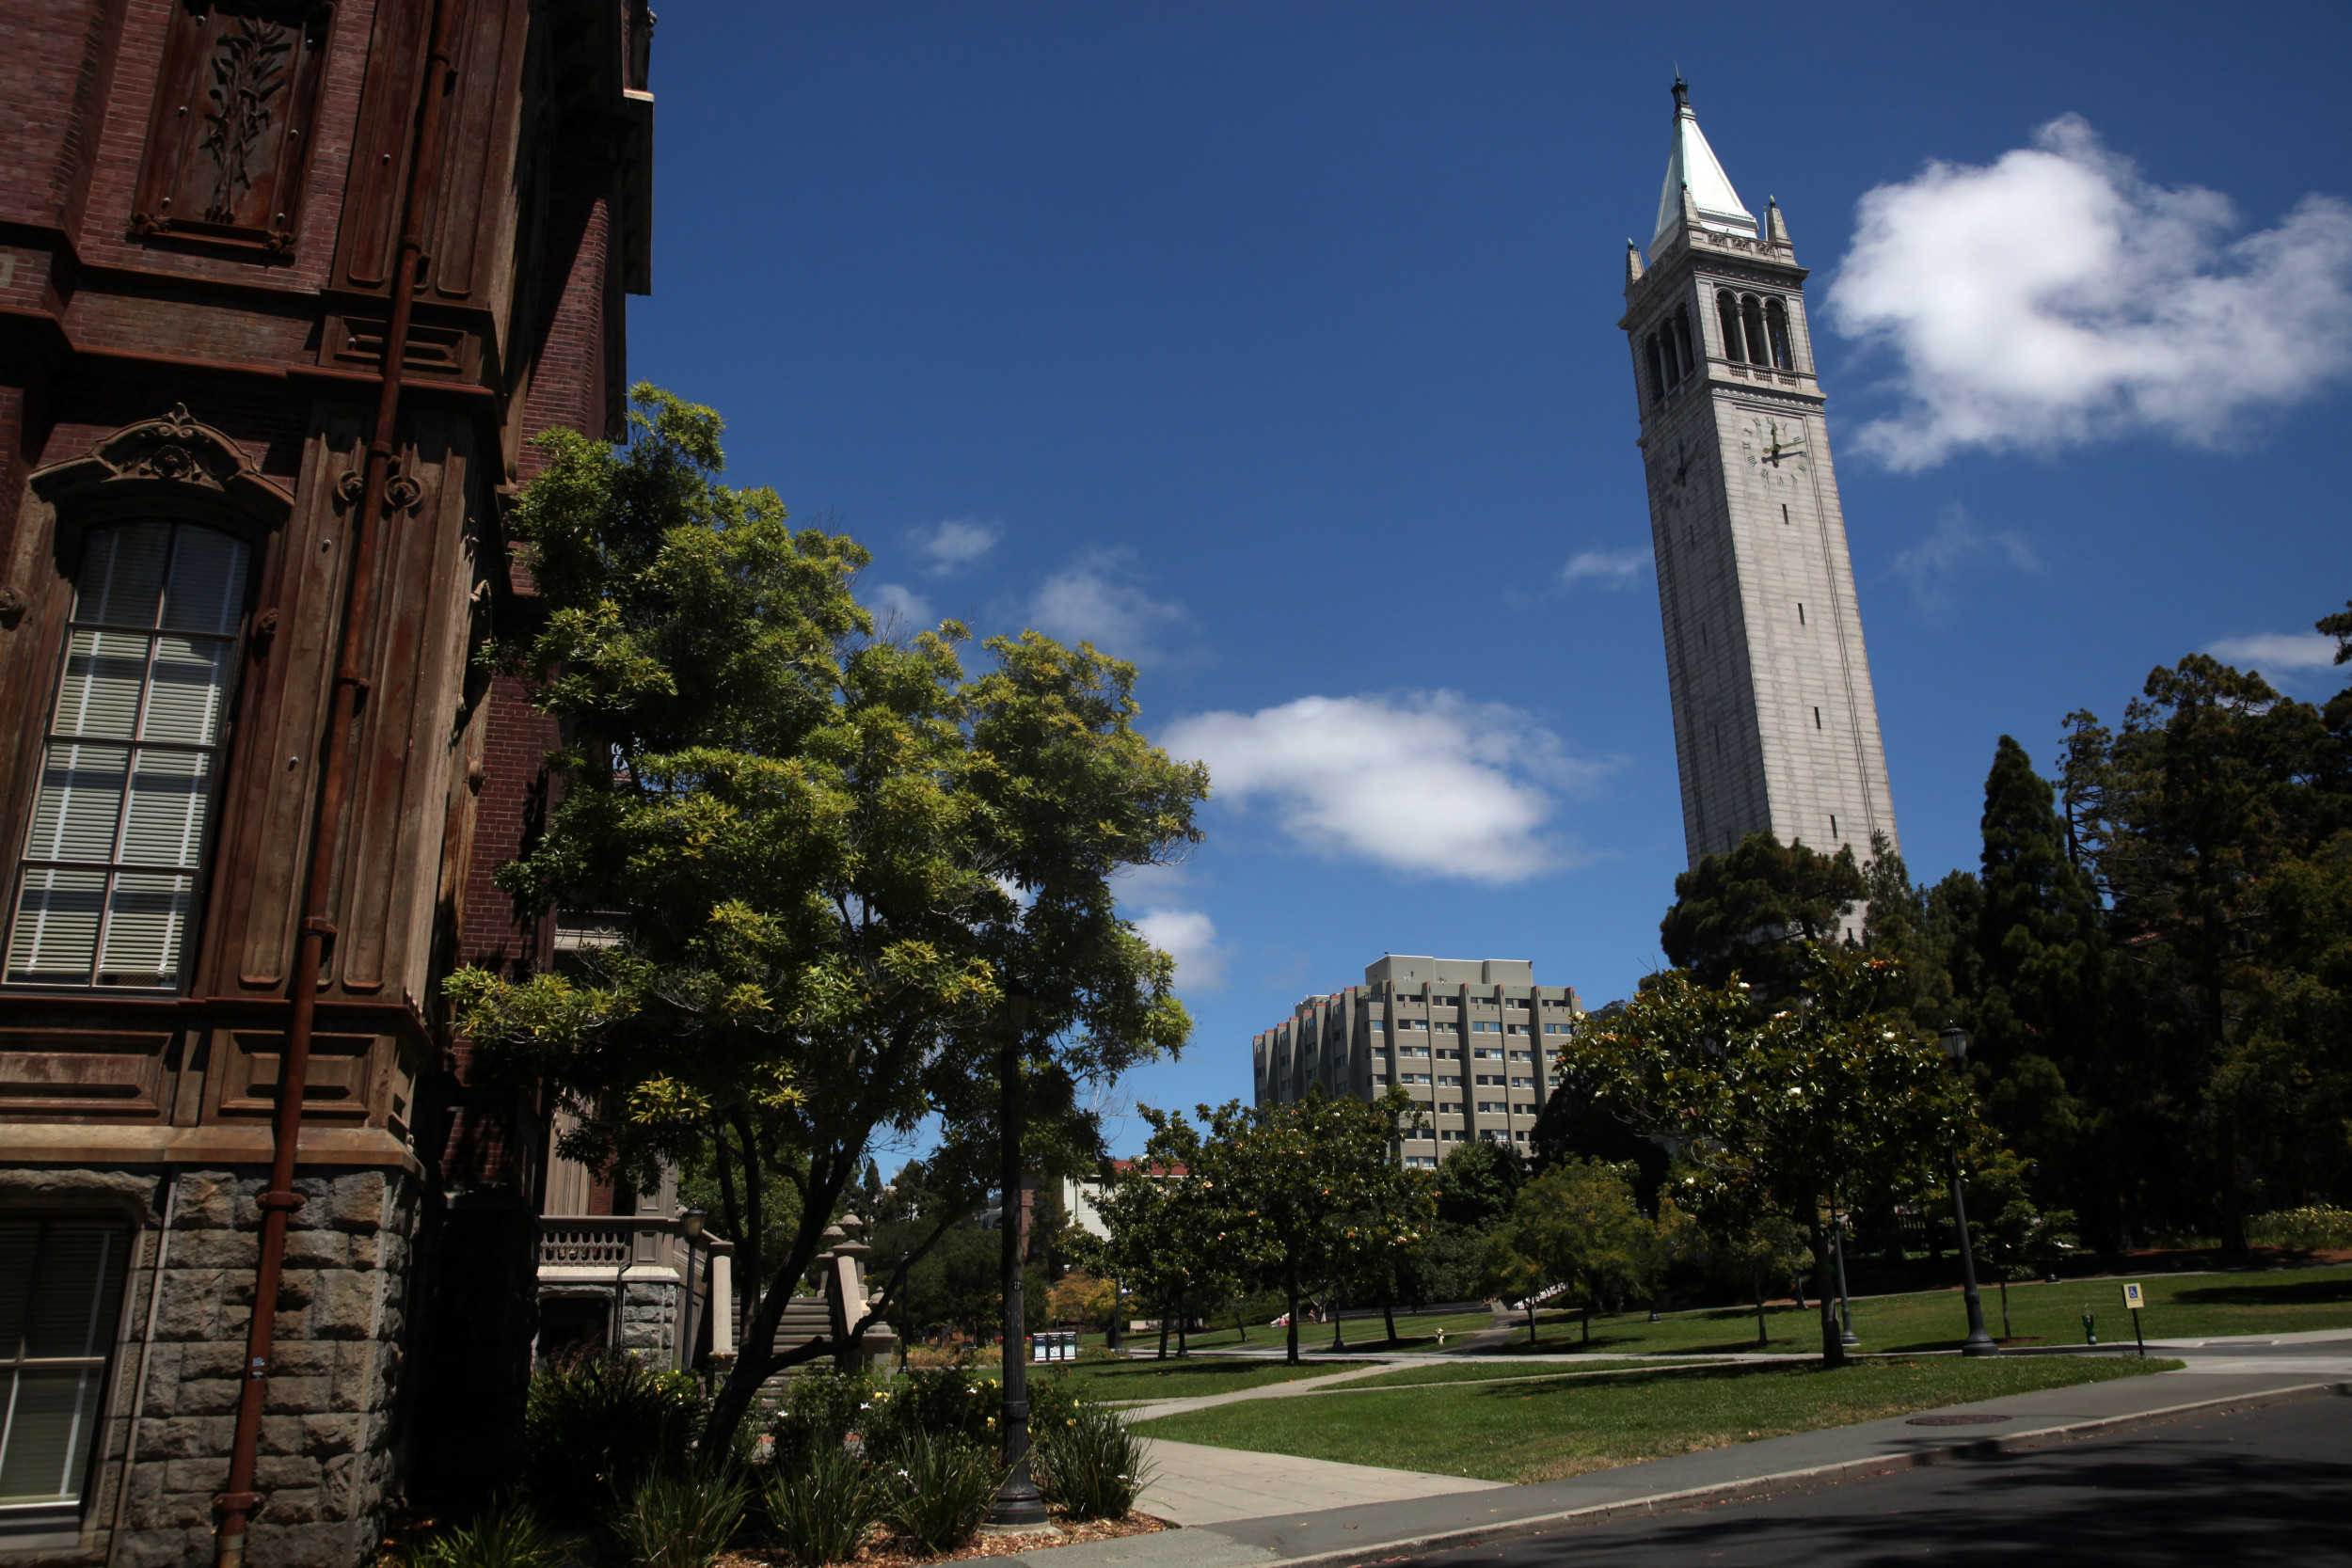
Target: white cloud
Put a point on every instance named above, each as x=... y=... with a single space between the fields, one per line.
x=1427 y=783
x=1956 y=539
x=1189 y=937
x=1097 y=601
x=1610 y=568
x=956 y=542
x=2276 y=651
x=2056 y=296
x=892 y=601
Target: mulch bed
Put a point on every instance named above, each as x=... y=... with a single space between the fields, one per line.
x=886 y=1552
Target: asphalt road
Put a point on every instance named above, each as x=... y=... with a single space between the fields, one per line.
x=2254 y=1487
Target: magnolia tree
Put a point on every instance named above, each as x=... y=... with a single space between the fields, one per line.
x=1799 y=1108
x=838 y=854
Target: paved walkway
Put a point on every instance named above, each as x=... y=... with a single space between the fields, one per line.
x=1195 y=1484
x=1246 y=1510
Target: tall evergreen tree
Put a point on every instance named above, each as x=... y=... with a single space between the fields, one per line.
x=1747 y=911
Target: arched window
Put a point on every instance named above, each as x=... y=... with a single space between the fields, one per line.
x=1752 y=314
x=1656 y=372
x=1727 y=317
x=131 y=764
x=1682 y=340
x=1776 y=325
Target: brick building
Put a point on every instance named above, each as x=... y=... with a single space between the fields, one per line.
x=256 y=785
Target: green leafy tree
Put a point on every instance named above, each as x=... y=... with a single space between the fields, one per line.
x=838 y=854
x=1746 y=1257
x=1578 y=1225
x=1747 y=911
x=1161 y=1226
x=1825 y=1102
x=1477 y=1183
x=2015 y=1236
x=1303 y=1193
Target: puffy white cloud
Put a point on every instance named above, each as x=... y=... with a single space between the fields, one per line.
x=1426 y=783
x=892 y=601
x=1096 y=600
x=956 y=542
x=1610 y=568
x=1955 y=539
x=2057 y=297
x=2277 y=651
x=1189 y=937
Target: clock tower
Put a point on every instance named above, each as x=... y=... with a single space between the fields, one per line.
x=1776 y=726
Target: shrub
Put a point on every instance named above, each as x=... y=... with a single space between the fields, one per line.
x=1090 y=1466
x=821 y=1511
x=940 y=1487
x=681 y=1518
x=507 y=1535
x=597 y=1425
x=932 y=1402
x=824 y=1409
x=2307 y=1230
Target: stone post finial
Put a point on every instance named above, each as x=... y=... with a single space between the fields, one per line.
x=1776 y=225
x=1633 y=263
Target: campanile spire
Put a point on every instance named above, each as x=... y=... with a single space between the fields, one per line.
x=1691 y=164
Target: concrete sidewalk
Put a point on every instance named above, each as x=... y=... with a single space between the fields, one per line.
x=1316 y=1532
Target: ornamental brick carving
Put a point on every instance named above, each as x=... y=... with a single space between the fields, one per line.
x=234 y=115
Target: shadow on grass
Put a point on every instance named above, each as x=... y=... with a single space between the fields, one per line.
x=2269 y=1293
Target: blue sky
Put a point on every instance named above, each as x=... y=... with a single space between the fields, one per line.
x=1274 y=346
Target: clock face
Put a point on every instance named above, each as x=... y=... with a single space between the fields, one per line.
x=1776 y=449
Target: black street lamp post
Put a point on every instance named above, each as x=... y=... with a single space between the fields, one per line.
x=1846 y=1335
x=1979 y=1342
x=1018 y=1505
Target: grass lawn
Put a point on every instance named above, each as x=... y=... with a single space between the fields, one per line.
x=1178 y=1380
x=1413 y=1332
x=1483 y=1371
x=2179 y=1306
x=1524 y=1432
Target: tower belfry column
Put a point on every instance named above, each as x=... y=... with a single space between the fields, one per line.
x=1776 y=726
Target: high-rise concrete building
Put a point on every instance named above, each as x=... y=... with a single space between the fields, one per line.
x=1472 y=1041
x=1776 y=726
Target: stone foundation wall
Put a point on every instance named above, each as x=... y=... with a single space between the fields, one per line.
x=649 y=1325
x=327 y=1439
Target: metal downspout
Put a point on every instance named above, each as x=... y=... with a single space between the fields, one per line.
x=238 y=1502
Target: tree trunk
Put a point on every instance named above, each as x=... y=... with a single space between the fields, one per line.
x=1755 y=1283
x=1163 y=1332
x=1290 y=1291
x=1825 y=1288
x=2006 y=1333
x=1183 y=1321
x=1587 y=1322
x=1388 y=1314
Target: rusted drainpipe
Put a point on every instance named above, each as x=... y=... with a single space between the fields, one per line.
x=237 y=1504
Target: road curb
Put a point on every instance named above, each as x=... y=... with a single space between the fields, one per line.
x=1758 y=1486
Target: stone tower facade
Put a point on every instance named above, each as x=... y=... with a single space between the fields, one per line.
x=1776 y=726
